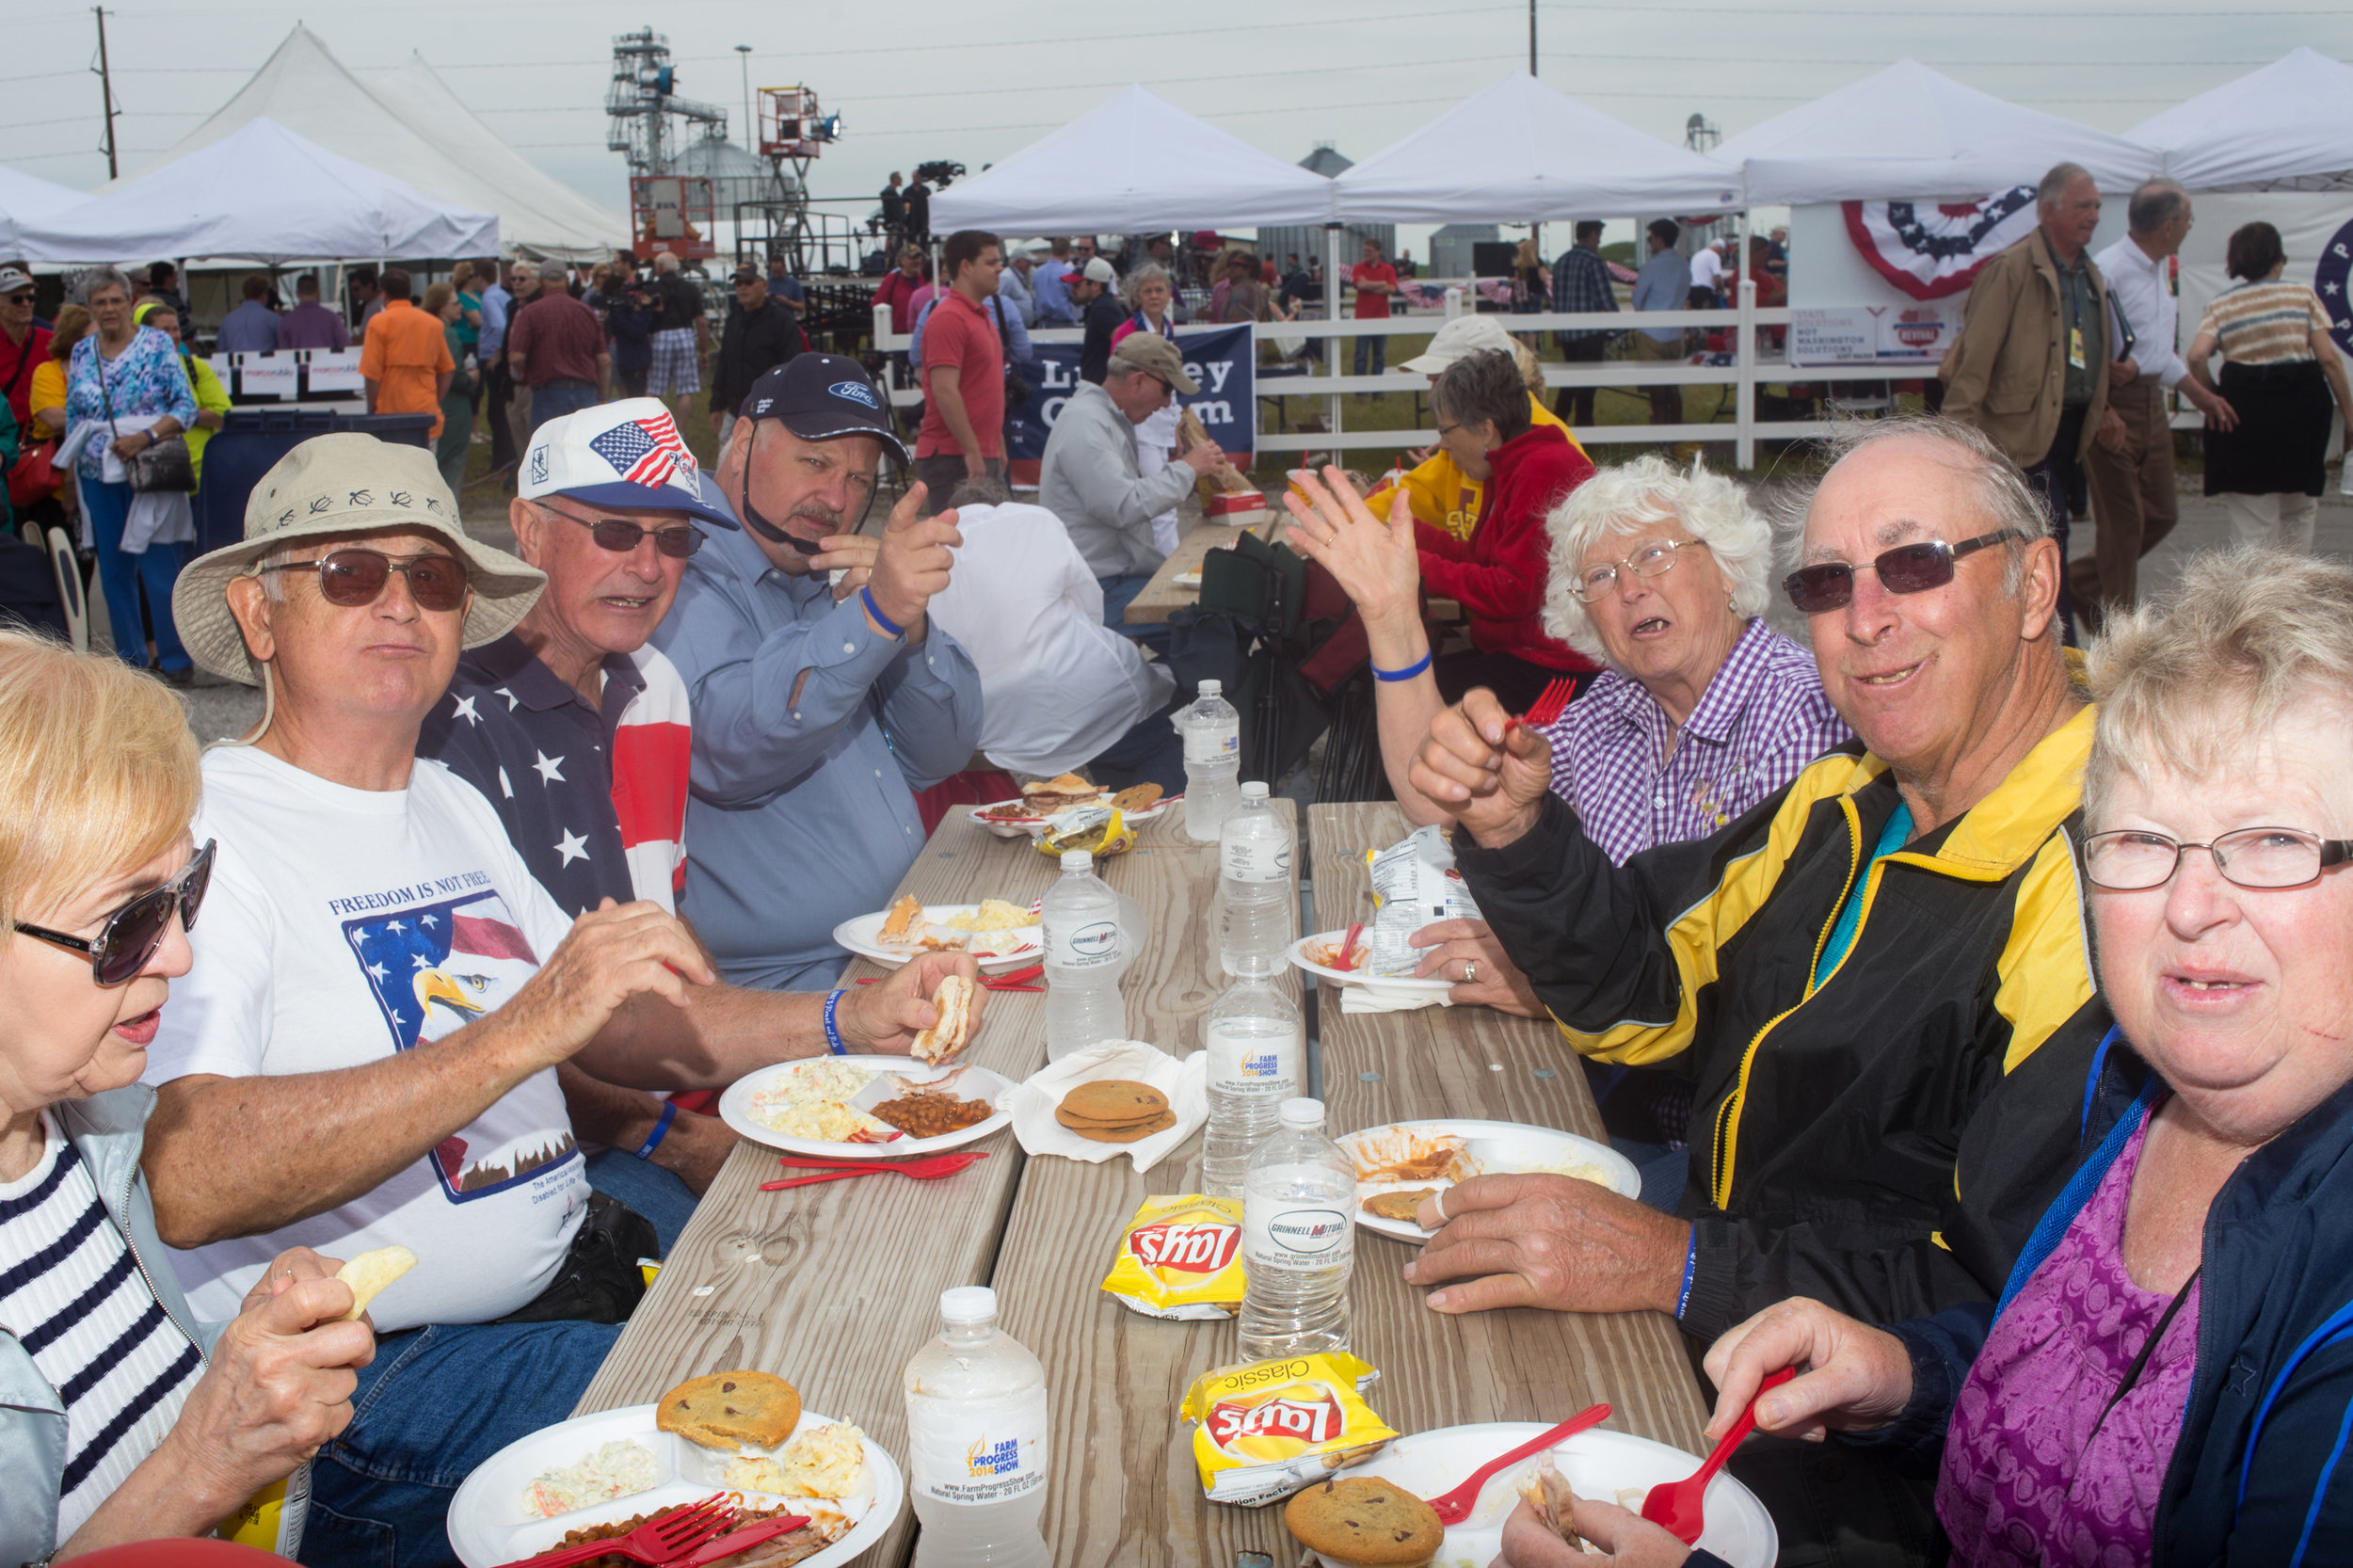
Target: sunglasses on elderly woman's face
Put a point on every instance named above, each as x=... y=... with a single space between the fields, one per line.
x=132 y=933
x=1909 y=568
x=352 y=578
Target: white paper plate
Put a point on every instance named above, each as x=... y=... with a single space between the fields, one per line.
x=489 y=1523
x=1598 y=1464
x=1035 y=826
x=1503 y=1149
x=1329 y=941
x=735 y=1107
x=1018 y=947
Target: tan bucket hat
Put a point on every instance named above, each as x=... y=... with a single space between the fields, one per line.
x=346 y=482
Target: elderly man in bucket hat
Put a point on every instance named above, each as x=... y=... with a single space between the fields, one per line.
x=365 y=1055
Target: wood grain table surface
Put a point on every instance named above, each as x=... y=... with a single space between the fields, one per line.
x=1163 y=596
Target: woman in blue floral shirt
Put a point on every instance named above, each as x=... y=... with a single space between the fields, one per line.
x=142 y=380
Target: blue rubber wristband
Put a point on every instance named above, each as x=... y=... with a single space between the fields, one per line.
x=1690 y=1267
x=1406 y=674
x=661 y=1131
x=834 y=1042
x=880 y=619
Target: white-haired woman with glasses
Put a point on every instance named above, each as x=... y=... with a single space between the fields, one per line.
x=2169 y=1373
x=1700 y=713
x=122 y=1418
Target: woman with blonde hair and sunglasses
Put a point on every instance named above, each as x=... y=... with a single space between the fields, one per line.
x=122 y=1418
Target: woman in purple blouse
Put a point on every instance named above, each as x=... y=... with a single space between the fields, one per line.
x=2169 y=1374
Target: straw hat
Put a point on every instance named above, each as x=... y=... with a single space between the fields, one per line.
x=336 y=484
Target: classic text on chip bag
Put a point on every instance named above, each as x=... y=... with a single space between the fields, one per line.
x=1265 y=1429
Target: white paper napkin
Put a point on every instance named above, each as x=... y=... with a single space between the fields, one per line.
x=1185 y=1083
x=1372 y=996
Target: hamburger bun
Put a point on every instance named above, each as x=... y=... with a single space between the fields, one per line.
x=955 y=998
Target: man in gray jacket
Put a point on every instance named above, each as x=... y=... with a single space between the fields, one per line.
x=1090 y=477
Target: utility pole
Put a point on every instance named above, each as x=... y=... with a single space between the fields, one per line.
x=1532 y=38
x=751 y=132
x=106 y=85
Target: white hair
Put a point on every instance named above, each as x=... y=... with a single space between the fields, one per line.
x=1634 y=497
x=2004 y=493
x=1150 y=272
x=2192 y=681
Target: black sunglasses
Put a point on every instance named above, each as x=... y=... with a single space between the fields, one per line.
x=352 y=578
x=621 y=536
x=1909 y=568
x=132 y=933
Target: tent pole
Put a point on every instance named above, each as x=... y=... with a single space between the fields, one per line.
x=1744 y=355
x=1332 y=312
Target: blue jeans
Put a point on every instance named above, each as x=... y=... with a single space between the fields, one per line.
x=1118 y=593
x=558 y=398
x=1377 y=349
x=124 y=578
x=646 y=1186
x=435 y=1403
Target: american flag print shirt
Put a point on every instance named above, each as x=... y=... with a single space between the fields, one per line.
x=1761 y=720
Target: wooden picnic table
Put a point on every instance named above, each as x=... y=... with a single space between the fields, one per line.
x=836 y=1287
x=1163 y=595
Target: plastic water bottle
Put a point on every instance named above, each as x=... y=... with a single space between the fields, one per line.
x=976 y=1441
x=1254 y=857
x=1084 y=958
x=1257 y=1059
x=1212 y=733
x=1298 y=1239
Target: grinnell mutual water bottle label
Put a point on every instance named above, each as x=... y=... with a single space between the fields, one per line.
x=1291 y=1238
x=982 y=1453
x=1086 y=945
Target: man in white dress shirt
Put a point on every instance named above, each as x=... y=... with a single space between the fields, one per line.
x=2133 y=501
x=1058 y=689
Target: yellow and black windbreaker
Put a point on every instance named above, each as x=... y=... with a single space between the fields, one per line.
x=1885 y=1141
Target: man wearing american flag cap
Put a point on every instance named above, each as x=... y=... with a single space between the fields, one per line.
x=577 y=731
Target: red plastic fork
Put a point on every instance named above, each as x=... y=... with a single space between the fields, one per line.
x=1455 y=1505
x=662 y=1540
x=929 y=1169
x=1346 y=956
x=1681 y=1506
x=1550 y=704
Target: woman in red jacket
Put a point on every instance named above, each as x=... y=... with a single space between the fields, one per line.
x=1499 y=574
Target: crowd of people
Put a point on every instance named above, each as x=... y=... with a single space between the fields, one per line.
x=1962 y=994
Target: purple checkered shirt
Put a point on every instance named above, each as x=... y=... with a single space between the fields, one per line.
x=1761 y=720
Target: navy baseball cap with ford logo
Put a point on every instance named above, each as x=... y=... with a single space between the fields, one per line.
x=821 y=396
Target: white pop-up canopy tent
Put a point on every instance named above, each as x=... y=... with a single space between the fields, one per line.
x=1520 y=151
x=1133 y=164
x=400 y=128
x=1910 y=132
x=26 y=199
x=261 y=194
x=2287 y=126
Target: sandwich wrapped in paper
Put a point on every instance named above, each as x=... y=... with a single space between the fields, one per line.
x=1413 y=884
x=1266 y=1429
x=1180 y=1257
x=1100 y=830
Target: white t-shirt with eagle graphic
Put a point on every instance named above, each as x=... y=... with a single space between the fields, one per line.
x=344 y=925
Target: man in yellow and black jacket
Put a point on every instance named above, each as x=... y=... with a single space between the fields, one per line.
x=1878 y=981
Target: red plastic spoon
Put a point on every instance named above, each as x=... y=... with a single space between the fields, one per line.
x=1455 y=1505
x=1680 y=1506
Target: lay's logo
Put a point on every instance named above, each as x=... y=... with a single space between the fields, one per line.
x=1185 y=1248
x=856 y=392
x=1277 y=1426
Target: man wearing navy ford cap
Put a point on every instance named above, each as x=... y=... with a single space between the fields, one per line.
x=819 y=709
x=577 y=732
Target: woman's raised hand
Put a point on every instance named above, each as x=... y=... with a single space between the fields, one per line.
x=1374 y=560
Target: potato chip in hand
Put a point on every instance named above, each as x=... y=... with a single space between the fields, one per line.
x=370 y=1272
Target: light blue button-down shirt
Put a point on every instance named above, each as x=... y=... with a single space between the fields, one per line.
x=1663 y=284
x=811 y=733
x=1050 y=285
x=495 y=300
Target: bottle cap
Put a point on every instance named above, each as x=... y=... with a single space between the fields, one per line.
x=1302 y=1113
x=1211 y=688
x=1255 y=790
x=1253 y=965
x=1077 y=860
x=968 y=1304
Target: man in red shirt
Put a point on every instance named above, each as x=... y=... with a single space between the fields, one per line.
x=555 y=346
x=1375 y=280
x=23 y=344
x=964 y=372
x=898 y=291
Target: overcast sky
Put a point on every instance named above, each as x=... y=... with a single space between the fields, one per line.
x=919 y=79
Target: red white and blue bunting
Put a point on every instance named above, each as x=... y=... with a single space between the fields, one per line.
x=1932 y=250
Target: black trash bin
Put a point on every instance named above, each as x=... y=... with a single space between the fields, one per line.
x=250 y=441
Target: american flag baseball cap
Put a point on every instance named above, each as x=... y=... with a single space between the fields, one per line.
x=627 y=454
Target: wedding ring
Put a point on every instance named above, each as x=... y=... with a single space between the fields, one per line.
x=1470 y=971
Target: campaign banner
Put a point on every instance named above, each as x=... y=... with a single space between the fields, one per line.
x=1220 y=359
x=1873 y=334
x=1935 y=249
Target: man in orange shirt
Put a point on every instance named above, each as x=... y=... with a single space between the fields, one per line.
x=405 y=358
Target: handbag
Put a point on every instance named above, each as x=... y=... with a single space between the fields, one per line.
x=34 y=477
x=166 y=465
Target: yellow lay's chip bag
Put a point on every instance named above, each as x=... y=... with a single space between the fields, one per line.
x=1267 y=1429
x=1181 y=1257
